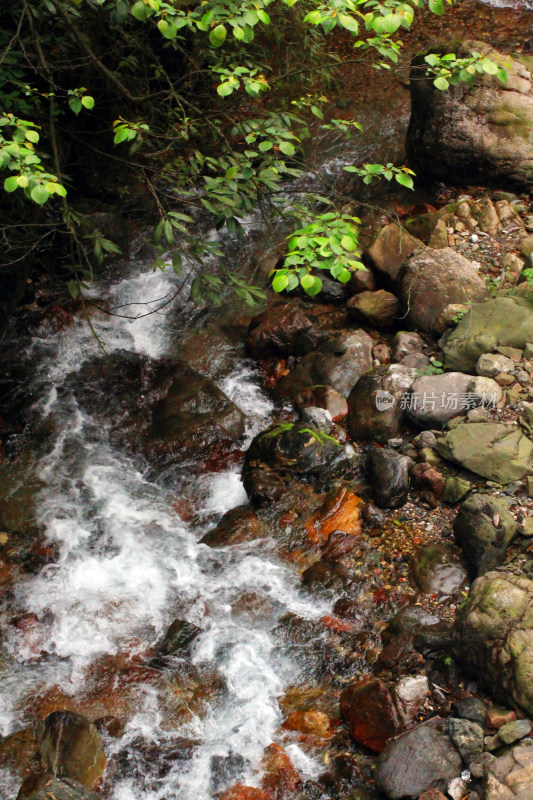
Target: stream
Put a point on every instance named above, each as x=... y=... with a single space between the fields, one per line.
x=125 y=535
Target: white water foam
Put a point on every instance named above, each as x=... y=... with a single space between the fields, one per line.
x=126 y=560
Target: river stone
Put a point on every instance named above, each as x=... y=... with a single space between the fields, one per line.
x=368 y=709
x=515 y=730
x=283 y=329
x=494 y=636
x=483 y=529
x=238 y=525
x=430 y=280
x=338 y=363
x=390 y=249
x=388 y=476
x=478 y=134
x=467 y=736
x=490 y=365
x=493 y=450
x=501 y=321
x=420 y=759
x=511 y=775
x=71 y=747
x=179 y=638
x=435 y=399
x=48 y=787
x=373 y=308
x=406 y=343
x=439 y=569
x=374 y=404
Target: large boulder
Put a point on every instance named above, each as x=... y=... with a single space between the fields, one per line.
x=478 y=134
x=483 y=528
x=494 y=636
x=71 y=747
x=433 y=279
x=339 y=363
x=375 y=409
x=283 y=329
x=373 y=308
x=493 y=450
x=500 y=322
x=435 y=399
x=422 y=758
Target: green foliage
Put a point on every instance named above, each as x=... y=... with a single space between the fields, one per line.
x=448 y=70
x=370 y=172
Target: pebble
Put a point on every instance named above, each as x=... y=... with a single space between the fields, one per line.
x=513 y=731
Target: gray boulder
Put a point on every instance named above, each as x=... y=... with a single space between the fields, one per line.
x=430 y=280
x=493 y=450
x=423 y=758
x=494 y=637
x=501 y=321
x=483 y=528
x=435 y=399
x=479 y=134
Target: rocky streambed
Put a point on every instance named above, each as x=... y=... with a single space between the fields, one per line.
x=287 y=556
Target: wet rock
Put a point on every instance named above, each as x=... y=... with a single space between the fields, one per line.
x=410 y=694
x=410 y=620
x=429 y=482
x=280 y=779
x=471 y=708
x=483 y=528
x=179 y=638
x=467 y=737
x=418 y=760
x=240 y=524
x=284 y=450
x=501 y=321
x=338 y=545
x=338 y=363
x=283 y=329
x=390 y=249
x=318 y=418
x=432 y=639
x=46 y=787
x=494 y=636
x=478 y=134
x=455 y=490
x=417 y=361
x=435 y=399
x=513 y=731
x=330 y=577
x=373 y=516
x=388 y=475
x=368 y=709
x=19 y=753
x=493 y=450
x=313 y=723
x=339 y=512
x=405 y=343
x=325 y=397
x=432 y=279
x=225 y=770
x=374 y=404
x=373 y=308
x=438 y=569
x=242 y=792
x=71 y=747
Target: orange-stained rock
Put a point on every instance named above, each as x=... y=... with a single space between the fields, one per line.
x=368 y=709
x=281 y=779
x=241 y=792
x=339 y=511
x=496 y=717
x=315 y=723
x=339 y=625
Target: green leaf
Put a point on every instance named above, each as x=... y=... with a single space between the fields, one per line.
x=404 y=180
x=39 y=194
x=11 y=184
x=224 y=89
x=75 y=104
x=73 y=289
x=348 y=243
x=280 y=282
x=263 y=16
x=87 y=102
x=140 y=11
x=287 y=148
x=436 y=6
x=177 y=262
x=349 y=23
x=217 y=36
x=441 y=83
x=32 y=136
x=266 y=145
x=315 y=288
x=307 y=281
x=490 y=67
x=238 y=32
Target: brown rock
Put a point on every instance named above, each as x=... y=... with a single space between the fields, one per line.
x=323 y=397
x=390 y=249
x=496 y=717
x=71 y=747
x=340 y=511
x=429 y=481
x=368 y=709
x=241 y=792
x=375 y=308
x=315 y=723
x=362 y=280
x=238 y=525
x=281 y=780
x=432 y=794
x=283 y=329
